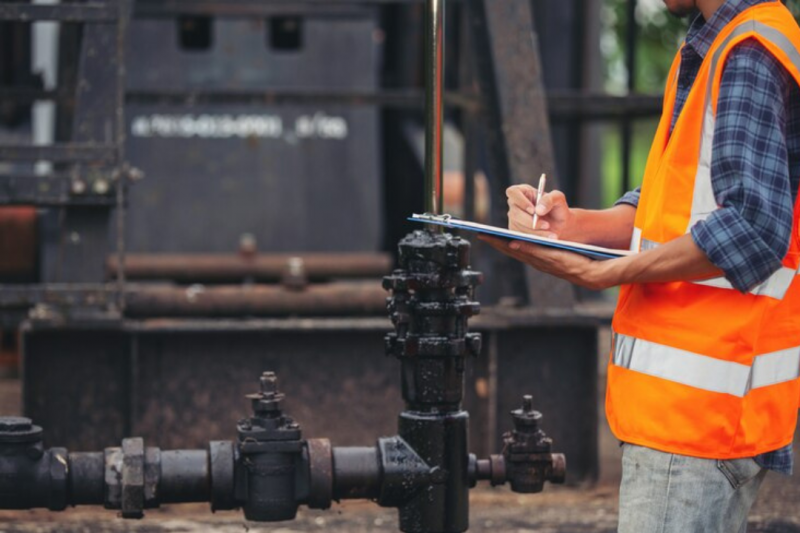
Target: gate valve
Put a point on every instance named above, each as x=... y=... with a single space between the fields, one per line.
x=527 y=452
x=271 y=452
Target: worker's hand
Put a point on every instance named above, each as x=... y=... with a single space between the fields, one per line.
x=555 y=216
x=575 y=268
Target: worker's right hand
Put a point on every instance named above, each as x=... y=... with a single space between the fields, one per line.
x=555 y=216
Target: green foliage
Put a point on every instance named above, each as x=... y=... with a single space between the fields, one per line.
x=659 y=35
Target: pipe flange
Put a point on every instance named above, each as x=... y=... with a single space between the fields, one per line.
x=57 y=500
x=320 y=461
x=221 y=459
x=498 y=474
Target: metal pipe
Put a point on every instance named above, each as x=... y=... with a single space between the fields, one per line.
x=228 y=268
x=356 y=473
x=86 y=478
x=434 y=105
x=257 y=300
x=184 y=476
x=18 y=242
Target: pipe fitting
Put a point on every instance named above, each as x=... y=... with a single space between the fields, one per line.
x=527 y=452
x=32 y=476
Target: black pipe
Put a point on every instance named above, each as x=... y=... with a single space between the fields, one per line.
x=86 y=478
x=184 y=476
x=356 y=473
x=440 y=441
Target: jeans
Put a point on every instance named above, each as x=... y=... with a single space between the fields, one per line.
x=668 y=493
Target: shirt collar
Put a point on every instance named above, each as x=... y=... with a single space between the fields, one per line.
x=702 y=33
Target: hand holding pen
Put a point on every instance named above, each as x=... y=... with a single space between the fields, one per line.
x=539 y=194
x=539 y=212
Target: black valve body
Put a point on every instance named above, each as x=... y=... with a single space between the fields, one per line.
x=270 y=453
x=431 y=301
x=29 y=475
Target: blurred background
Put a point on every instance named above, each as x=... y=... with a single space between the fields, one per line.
x=192 y=192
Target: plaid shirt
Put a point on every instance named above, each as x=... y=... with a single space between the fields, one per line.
x=755 y=163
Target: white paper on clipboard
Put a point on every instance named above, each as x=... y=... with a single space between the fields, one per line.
x=588 y=250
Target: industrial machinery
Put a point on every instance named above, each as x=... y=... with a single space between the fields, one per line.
x=119 y=294
x=270 y=470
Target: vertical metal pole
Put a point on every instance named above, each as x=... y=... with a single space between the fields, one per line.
x=121 y=170
x=434 y=104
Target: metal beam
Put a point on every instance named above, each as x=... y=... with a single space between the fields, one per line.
x=590 y=106
x=61 y=295
x=518 y=133
x=560 y=104
x=54 y=190
x=90 y=12
x=397 y=98
x=249 y=8
x=60 y=153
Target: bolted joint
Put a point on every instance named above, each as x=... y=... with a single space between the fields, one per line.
x=268 y=422
x=492 y=470
x=528 y=473
x=132 y=477
x=474 y=344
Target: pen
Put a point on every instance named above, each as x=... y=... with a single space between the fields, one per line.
x=539 y=193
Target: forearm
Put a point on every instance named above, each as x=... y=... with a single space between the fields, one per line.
x=611 y=228
x=678 y=260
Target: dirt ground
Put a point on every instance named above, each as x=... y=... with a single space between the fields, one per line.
x=587 y=509
x=557 y=510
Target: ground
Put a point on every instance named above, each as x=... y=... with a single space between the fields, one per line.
x=586 y=509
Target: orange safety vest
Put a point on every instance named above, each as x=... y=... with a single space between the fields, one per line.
x=698 y=368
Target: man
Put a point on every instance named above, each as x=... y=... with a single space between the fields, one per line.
x=703 y=384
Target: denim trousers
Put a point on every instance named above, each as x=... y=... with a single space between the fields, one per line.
x=667 y=493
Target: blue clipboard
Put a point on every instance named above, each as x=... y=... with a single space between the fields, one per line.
x=588 y=250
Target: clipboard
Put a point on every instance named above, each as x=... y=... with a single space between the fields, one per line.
x=588 y=250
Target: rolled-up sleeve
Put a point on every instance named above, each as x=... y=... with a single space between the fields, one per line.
x=630 y=198
x=748 y=236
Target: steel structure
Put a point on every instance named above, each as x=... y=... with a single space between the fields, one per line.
x=425 y=471
x=193 y=334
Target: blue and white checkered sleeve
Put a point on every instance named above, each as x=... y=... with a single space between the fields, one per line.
x=630 y=198
x=749 y=234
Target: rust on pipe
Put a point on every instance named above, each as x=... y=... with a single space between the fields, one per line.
x=265 y=267
x=334 y=299
x=18 y=242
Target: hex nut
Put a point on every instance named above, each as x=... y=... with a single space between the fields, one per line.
x=132 y=504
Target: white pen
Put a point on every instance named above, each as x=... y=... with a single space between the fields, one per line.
x=539 y=193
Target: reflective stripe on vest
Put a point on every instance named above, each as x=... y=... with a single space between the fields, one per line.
x=704 y=372
x=775 y=286
x=703 y=200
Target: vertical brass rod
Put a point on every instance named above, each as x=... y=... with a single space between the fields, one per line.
x=434 y=104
